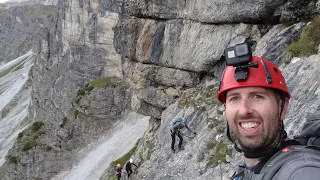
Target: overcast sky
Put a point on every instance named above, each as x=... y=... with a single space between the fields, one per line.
x=2 y=1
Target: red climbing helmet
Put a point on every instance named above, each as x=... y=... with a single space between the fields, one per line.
x=255 y=72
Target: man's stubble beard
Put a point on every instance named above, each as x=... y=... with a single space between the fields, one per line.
x=264 y=140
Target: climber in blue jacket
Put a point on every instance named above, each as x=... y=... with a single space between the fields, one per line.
x=177 y=125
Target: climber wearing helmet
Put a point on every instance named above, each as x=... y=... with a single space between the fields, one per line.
x=256 y=99
x=176 y=126
x=129 y=167
x=118 y=171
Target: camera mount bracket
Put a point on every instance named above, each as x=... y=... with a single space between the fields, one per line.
x=241 y=73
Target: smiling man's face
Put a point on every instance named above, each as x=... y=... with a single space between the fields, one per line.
x=253 y=114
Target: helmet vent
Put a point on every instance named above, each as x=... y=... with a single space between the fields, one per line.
x=275 y=70
x=267 y=72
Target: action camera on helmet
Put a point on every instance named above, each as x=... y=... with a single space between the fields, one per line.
x=239 y=56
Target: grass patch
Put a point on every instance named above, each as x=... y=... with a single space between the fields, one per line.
x=64 y=122
x=76 y=113
x=3 y=10
x=210 y=126
x=301 y=48
x=106 y=82
x=13 y=159
x=78 y=99
x=20 y=135
x=200 y=157
x=7 y=71
x=113 y=177
x=1 y=60
x=201 y=172
x=36 y=126
x=199 y=98
x=309 y=40
x=39 y=133
x=29 y=145
x=220 y=129
x=22 y=45
x=19 y=67
x=49 y=148
x=210 y=145
x=286 y=24
x=221 y=150
x=83 y=91
x=122 y=160
x=219 y=112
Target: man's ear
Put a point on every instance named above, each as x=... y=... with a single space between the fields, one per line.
x=285 y=108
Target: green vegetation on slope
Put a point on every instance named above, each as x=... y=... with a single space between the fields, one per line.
x=13 y=160
x=106 y=82
x=29 y=144
x=31 y=135
x=22 y=45
x=309 y=40
x=199 y=98
x=220 y=151
x=12 y=68
x=83 y=91
x=64 y=122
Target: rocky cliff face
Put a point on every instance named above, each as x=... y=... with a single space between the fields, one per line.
x=19 y=25
x=161 y=59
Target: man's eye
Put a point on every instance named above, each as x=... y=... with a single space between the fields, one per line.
x=257 y=96
x=233 y=98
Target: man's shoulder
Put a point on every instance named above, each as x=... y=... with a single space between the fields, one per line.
x=288 y=160
x=304 y=165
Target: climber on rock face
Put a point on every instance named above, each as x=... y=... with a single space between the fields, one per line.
x=118 y=171
x=177 y=126
x=128 y=167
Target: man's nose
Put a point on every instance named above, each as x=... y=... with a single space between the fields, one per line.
x=245 y=107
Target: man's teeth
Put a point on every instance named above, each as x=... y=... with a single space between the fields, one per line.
x=249 y=125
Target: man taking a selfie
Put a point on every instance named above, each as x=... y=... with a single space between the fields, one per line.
x=256 y=100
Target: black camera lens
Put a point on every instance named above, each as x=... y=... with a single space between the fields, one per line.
x=242 y=49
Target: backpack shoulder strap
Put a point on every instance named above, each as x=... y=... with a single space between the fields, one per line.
x=176 y=121
x=246 y=174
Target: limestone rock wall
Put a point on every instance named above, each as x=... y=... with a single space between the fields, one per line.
x=18 y=28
